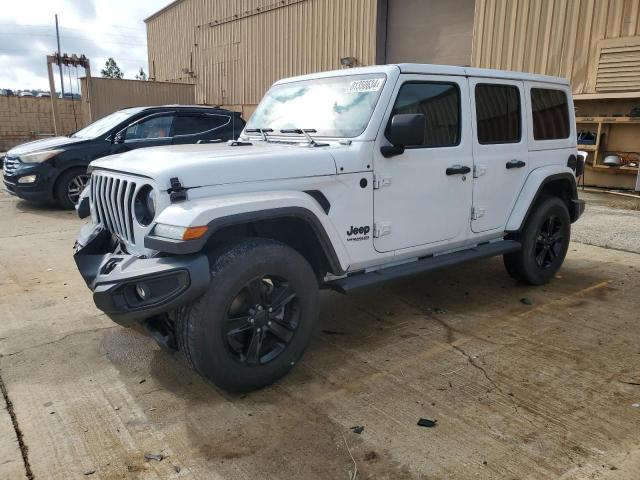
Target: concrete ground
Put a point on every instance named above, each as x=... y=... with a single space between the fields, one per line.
x=612 y=221
x=547 y=387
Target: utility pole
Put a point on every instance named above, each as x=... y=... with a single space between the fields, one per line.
x=53 y=92
x=69 y=60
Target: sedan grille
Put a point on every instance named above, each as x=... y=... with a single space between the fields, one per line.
x=10 y=165
x=113 y=202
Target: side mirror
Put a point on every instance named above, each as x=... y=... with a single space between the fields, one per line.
x=406 y=129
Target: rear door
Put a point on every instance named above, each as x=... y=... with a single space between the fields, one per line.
x=500 y=150
x=423 y=196
x=194 y=127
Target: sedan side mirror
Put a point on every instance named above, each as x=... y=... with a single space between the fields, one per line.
x=406 y=129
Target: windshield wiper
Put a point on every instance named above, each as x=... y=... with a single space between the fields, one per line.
x=261 y=131
x=305 y=132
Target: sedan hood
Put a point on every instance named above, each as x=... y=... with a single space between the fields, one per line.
x=43 y=144
x=217 y=164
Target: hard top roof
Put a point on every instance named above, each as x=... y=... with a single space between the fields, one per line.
x=432 y=69
x=477 y=72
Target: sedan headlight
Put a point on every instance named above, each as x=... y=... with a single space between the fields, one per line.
x=39 y=157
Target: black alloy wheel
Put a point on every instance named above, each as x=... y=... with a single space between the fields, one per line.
x=549 y=242
x=545 y=240
x=261 y=320
x=255 y=320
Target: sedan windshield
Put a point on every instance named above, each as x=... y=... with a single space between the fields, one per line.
x=334 y=107
x=102 y=126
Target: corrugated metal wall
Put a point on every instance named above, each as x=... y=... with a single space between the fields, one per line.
x=105 y=95
x=553 y=37
x=237 y=49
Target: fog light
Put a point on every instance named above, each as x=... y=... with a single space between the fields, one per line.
x=142 y=291
x=27 y=179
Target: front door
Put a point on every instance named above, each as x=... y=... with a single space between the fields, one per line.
x=500 y=150
x=423 y=196
x=151 y=131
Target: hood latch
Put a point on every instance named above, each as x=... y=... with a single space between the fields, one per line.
x=177 y=193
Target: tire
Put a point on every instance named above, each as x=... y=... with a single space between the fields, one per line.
x=545 y=241
x=230 y=340
x=69 y=187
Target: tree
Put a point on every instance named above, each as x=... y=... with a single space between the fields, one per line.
x=141 y=75
x=111 y=69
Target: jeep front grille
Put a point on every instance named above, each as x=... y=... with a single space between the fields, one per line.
x=113 y=203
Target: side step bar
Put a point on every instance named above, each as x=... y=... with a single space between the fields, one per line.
x=428 y=264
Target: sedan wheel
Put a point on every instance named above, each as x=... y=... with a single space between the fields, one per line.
x=76 y=186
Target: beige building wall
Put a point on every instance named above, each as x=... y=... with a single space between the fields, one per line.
x=103 y=96
x=438 y=31
x=594 y=43
x=234 y=50
x=27 y=118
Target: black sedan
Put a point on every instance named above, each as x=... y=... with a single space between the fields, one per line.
x=55 y=169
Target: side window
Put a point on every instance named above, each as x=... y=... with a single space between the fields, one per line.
x=498 y=114
x=550 y=114
x=439 y=102
x=156 y=127
x=195 y=124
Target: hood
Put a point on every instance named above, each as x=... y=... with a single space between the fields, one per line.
x=217 y=164
x=43 y=144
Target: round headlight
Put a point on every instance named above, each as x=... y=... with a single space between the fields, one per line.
x=144 y=205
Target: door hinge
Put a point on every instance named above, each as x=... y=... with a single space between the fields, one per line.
x=479 y=170
x=379 y=182
x=381 y=229
x=477 y=212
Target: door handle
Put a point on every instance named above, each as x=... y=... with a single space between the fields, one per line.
x=515 y=164
x=458 y=170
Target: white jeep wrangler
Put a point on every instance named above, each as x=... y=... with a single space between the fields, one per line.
x=340 y=180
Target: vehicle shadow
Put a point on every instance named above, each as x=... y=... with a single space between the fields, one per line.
x=42 y=209
x=464 y=301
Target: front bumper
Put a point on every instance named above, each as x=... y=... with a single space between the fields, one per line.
x=167 y=282
x=39 y=191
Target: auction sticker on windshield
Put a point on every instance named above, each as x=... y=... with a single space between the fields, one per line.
x=369 y=85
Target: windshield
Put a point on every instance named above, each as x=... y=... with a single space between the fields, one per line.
x=102 y=126
x=333 y=107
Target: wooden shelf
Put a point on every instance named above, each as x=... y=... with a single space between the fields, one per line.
x=587 y=148
x=632 y=120
x=623 y=170
x=606 y=96
x=604 y=126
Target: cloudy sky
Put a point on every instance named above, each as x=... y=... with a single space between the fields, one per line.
x=97 y=28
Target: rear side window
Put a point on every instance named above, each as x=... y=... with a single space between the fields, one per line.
x=439 y=102
x=498 y=114
x=550 y=114
x=195 y=124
